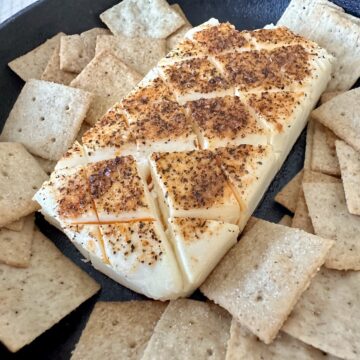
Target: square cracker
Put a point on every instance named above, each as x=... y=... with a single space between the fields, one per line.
x=246 y=346
x=109 y=79
x=191 y=330
x=148 y=18
x=327 y=315
x=46 y=118
x=47 y=165
x=32 y=64
x=36 y=298
x=20 y=177
x=139 y=53
x=118 y=330
x=349 y=160
x=323 y=158
x=334 y=31
x=15 y=246
x=342 y=115
x=261 y=278
x=301 y=219
x=289 y=194
x=76 y=51
x=309 y=144
x=332 y=220
x=179 y=34
x=16 y=225
x=53 y=72
x=286 y=220
x=328 y=95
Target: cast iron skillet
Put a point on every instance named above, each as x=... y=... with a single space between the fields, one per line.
x=47 y=17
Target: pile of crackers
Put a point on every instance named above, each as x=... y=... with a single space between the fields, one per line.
x=284 y=290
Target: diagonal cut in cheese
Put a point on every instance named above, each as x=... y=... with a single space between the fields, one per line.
x=250 y=170
x=118 y=191
x=110 y=137
x=142 y=255
x=192 y=184
x=225 y=121
x=66 y=197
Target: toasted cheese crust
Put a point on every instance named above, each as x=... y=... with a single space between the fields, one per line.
x=285 y=66
x=222 y=38
x=194 y=75
x=277 y=36
x=161 y=120
x=276 y=107
x=116 y=188
x=137 y=239
x=224 y=118
x=193 y=179
x=111 y=131
x=240 y=161
x=185 y=49
x=74 y=199
x=138 y=100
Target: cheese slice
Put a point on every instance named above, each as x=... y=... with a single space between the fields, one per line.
x=140 y=253
x=118 y=191
x=225 y=121
x=250 y=170
x=192 y=184
x=110 y=137
x=200 y=244
x=66 y=197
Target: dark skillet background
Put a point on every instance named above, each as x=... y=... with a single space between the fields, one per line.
x=44 y=19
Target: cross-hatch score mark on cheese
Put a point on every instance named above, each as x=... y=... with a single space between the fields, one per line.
x=207 y=130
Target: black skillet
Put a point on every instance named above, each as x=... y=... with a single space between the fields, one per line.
x=45 y=18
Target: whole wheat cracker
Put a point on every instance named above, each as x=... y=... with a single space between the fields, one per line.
x=309 y=144
x=15 y=246
x=16 y=225
x=323 y=157
x=289 y=194
x=139 y=53
x=20 y=177
x=301 y=219
x=47 y=165
x=189 y=329
x=76 y=51
x=331 y=219
x=328 y=95
x=243 y=345
x=46 y=118
x=32 y=64
x=53 y=72
x=36 y=298
x=327 y=315
x=109 y=79
x=286 y=220
x=261 y=278
x=152 y=18
x=349 y=160
x=342 y=115
x=118 y=330
x=173 y=39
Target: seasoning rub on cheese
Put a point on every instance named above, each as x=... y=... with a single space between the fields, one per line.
x=168 y=177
